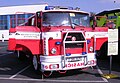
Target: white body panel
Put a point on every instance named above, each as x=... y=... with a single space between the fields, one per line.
x=47 y=61
x=4 y=35
x=96 y=34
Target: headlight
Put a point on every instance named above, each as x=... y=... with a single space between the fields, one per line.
x=53 y=51
x=91 y=49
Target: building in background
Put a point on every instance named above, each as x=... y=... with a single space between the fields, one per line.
x=110 y=15
x=8 y=16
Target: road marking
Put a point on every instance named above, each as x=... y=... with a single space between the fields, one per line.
x=3 y=47
x=19 y=72
x=6 y=54
x=101 y=73
x=47 y=80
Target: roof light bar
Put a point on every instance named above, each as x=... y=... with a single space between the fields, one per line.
x=57 y=7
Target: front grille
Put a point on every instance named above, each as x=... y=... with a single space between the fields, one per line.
x=74 y=37
x=75 y=45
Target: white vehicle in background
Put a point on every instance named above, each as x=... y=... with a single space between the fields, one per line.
x=8 y=13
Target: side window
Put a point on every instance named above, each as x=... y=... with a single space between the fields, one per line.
x=31 y=21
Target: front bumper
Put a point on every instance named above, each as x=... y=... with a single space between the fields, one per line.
x=75 y=61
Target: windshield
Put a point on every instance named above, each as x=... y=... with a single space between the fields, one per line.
x=65 y=19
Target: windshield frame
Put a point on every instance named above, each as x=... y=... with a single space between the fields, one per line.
x=69 y=18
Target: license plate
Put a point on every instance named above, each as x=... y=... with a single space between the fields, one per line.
x=74 y=59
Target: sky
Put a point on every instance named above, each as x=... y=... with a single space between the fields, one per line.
x=95 y=6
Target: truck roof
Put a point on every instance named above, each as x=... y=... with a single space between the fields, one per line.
x=63 y=10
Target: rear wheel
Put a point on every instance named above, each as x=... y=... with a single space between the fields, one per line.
x=21 y=55
x=102 y=54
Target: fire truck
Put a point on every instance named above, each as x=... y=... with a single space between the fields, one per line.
x=58 y=39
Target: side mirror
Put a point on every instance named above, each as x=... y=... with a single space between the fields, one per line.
x=114 y=26
x=111 y=25
x=94 y=22
x=38 y=14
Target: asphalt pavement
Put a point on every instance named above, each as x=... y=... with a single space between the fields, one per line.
x=14 y=71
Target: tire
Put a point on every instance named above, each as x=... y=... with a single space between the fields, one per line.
x=21 y=56
x=102 y=54
x=36 y=65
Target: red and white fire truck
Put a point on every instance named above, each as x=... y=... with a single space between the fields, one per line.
x=58 y=39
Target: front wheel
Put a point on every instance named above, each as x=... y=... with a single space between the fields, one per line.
x=37 y=67
x=36 y=64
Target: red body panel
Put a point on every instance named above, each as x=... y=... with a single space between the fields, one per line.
x=100 y=42
x=12 y=44
x=36 y=47
x=31 y=45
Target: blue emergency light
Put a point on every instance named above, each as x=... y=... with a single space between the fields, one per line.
x=83 y=53
x=88 y=41
x=68 y=54
x=47 y=8
x=57 y=7
x=57 y=43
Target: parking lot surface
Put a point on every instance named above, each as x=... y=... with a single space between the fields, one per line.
x=12 y=70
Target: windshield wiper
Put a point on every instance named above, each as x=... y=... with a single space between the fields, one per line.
x=78 y=25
